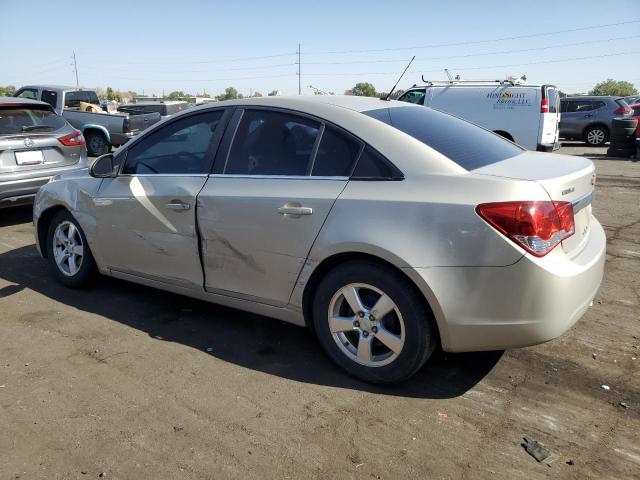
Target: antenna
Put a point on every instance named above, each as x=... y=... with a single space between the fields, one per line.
x=405 y=71
x=317 y=90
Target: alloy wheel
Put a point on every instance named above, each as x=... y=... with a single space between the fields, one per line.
x=366 y=325
x=68 y=250
x=595 y=137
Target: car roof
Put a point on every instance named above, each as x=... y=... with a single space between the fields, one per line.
x=151 y=102
x=346 y=112
x=21 y=101
x=308 y=102
x=55 y=87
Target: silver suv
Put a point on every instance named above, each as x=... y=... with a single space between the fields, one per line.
x=589 y=118
x=35 y=144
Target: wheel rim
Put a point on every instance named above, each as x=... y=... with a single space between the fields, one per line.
x=95 y=142
x=595 y=137
x=68 y=250
x=366 y=325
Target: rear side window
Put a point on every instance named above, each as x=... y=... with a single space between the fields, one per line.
x=464 y=143
x=336 y=154
x=373 y=166
x=50 y=97
x=272 y=143
x=24 y=119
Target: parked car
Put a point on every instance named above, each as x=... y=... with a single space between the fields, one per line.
x=102 y=130
x=635 y=108
x=35 y=144
x=588 y=118
x=391 y=228
x=632 y=99
x=164 y=108
x=525 y=114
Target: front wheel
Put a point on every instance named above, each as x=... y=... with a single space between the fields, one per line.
x=68 y=251
x=373 y=323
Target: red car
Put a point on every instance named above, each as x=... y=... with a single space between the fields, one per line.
x=636 y=114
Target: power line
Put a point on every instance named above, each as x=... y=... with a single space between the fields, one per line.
x=461 y=68
x=467 y=55
x=475 y=42
x=226 y=60
x=260 y=67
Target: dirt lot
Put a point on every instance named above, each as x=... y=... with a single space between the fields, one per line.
x=118 y=380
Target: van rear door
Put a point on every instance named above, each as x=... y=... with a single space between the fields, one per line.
x=549 y=118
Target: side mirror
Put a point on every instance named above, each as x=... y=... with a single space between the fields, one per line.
x=103 y=167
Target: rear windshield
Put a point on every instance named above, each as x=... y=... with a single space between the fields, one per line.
x=464 y=143
x=24 y=119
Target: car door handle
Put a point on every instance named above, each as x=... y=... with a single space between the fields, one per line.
x=178 y=205
x=589 y=115
x=294 y=209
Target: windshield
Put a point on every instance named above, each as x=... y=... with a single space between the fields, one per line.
x=464 y=143
x=24 y=119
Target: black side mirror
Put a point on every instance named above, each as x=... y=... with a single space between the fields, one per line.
x=103 y=167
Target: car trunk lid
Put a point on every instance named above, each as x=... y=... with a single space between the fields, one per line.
x=47 y=152
x=565 y=178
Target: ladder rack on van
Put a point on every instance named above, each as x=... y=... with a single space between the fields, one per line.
x=453 y=82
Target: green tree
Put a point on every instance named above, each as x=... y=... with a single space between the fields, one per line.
x=257 y=94
x=230 y=93
x=614 y=87
x=7 y=91
x=363 y=89
x=176 y=95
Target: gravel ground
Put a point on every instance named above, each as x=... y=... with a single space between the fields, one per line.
x=130 y=382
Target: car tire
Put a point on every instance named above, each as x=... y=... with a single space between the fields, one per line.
x=596 y=136
x=381 y=350
x=68 y=251
x=97 y=144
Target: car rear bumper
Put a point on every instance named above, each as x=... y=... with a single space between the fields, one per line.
x=530 y=302
x=21 y=189
x=548 y=148
x=122 y=138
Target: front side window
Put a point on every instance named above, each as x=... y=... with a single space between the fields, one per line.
x=272 y=143
x=181 y=147
x=29 y=93
x=413 y=96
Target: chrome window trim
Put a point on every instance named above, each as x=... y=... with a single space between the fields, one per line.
x=276 y=177
x=163 y=175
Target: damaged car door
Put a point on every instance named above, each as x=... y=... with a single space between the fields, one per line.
x=146 y=215
x=261 y=212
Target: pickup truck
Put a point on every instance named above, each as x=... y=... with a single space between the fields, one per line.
x=101 y=129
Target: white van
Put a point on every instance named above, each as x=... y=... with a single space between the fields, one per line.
x=525 y=114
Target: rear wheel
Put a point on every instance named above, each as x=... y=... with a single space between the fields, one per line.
x=373 y=323
x=68 y=251
x=96 y=144
x=596 y=136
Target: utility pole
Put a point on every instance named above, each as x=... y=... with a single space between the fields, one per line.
x=75 y=68
x=299 y=73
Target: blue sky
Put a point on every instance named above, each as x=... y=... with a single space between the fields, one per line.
x=195 y=46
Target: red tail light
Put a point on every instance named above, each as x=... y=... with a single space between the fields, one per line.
x=536 y=226
x=622 y=111
x=544 y=105
x=74 y=139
